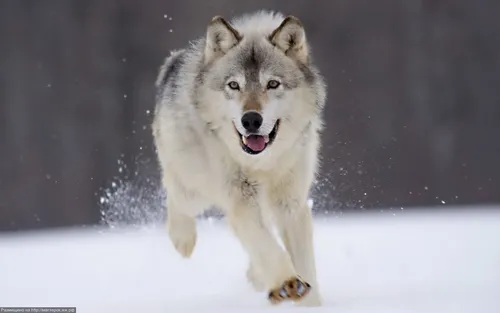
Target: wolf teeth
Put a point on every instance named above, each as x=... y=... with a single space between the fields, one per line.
x=266 y=138
x=244 y=139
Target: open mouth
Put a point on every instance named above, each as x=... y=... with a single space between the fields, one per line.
x=255 y=144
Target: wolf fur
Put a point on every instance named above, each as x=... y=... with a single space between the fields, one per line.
x=198 y=133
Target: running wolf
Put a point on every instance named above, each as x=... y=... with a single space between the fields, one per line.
x=237 y=126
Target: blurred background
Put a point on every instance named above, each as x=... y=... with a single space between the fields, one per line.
x=412 y=118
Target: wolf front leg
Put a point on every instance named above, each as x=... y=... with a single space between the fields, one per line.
x=271 y=261
x=181 y=229
x=258 y=241
x=183 y=205
x=295 y=225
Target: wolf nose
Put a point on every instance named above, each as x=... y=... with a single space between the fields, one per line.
x=251 y=121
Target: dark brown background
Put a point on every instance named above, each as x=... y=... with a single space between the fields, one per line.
x=412 y=115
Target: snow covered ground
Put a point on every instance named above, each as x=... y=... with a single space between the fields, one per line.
x=410 y=262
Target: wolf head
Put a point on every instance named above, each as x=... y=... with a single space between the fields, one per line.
x=258 y=87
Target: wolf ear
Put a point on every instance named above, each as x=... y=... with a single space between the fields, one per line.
x=221 y=37
x=290 y=37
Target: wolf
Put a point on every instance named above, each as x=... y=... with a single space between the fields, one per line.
x=237 y=126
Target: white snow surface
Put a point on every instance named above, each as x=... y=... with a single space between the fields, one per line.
x=410 y=262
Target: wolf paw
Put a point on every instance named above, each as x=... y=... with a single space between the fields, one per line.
x=183 y=237
x=294 y=289
x=184 y=243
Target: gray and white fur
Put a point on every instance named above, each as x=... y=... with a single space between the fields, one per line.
x=237 y=126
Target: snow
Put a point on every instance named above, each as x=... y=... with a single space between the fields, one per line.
x=410 y=262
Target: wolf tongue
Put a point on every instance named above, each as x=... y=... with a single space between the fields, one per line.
x=255 y=142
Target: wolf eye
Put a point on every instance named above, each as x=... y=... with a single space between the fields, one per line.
x=273 y=84
x=234 y=85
